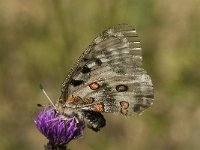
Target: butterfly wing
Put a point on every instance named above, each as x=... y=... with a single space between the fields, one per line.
x=110 y=71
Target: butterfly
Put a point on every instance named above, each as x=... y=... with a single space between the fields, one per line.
x=108 y=77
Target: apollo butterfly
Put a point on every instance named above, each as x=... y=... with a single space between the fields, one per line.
x=108 y=77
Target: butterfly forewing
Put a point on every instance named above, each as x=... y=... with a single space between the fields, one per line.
x=110 y=71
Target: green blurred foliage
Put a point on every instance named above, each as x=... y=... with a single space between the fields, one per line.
x=40 y=41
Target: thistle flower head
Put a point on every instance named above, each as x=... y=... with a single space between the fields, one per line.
x=58 y=129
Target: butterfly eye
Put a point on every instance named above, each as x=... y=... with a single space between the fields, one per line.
x=121 y=88
x=94 y=86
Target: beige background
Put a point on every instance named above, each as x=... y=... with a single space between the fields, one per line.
x=41 y=39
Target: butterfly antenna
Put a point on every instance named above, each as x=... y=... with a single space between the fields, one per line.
x=41 y=87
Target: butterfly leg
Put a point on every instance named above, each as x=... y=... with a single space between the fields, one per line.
x=94 y=120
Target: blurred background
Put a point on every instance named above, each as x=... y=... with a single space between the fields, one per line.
x=40 y=40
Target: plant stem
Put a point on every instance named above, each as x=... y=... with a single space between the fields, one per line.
x=51 y=146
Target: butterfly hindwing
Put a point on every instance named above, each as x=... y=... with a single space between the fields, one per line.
x=110 y=71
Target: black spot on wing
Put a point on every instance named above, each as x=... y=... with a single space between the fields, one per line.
x=121 y=88
x=86 y=69
x=85 y=59
x=136 y=108
x=98 y=61
x=76 y=82
x=149 y=96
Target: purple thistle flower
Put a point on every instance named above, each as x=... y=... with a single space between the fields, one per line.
x=59 y=129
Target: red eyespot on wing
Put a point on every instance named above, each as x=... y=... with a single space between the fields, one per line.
x=94 y=86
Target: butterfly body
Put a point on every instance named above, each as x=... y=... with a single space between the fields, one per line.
x=108 y=77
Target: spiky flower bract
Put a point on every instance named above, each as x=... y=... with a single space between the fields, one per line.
x=58 y=129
